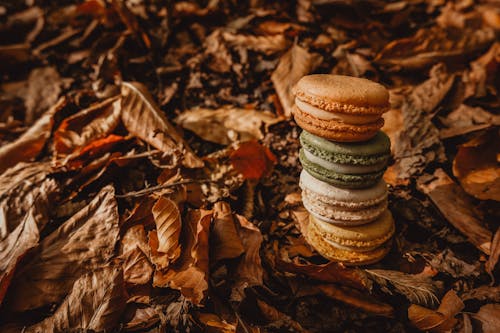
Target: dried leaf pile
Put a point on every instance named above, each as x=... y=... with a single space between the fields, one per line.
x=149 y=170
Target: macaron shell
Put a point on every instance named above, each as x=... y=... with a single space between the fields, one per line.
x=341 y=93
x=336 y=130
x=340 y=179
x=338 y=215
x=374 y=151
x=357 y=238
x=350 y=258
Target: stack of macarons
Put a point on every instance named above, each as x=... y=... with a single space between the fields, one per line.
x=344 y=155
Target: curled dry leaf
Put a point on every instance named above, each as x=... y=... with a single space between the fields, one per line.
x=293 y=65
x=23 y=238
x=417 y=289
x=489 y=316
x=30 y=144
x=466 y=119
x=330 y=272
x=84 y=242
x=227 y=124
x=432 y=45
x=263 y=44
x=95 y=303
x=477 y=166
x=482 y=77
x=215 y=324
x=225 y=243
x=168 y=227
x=95 y=122
x=143 y=119
x=136 y=266
x=190 y=273
x=249 y=271
x=440 y=320
x=457 y=207
x=252 y=160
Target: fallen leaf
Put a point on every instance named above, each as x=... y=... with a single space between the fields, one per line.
x=417 y=289
x=168 y=227
x=272 y=314
x=95 y=122
x=249 y=271
x=190 y=273
x=466 y=119
x=227 y=124
x=494 y=256
x=477 y=166
x=440 y=320
x=432 y=45
x=84 y=242
x=330 y=272
x=489 y=316
x=159 y=259
x=214 y=324
x=142 y=118
x=225 y=243
x=263 y=44
x=252 y=160
x=31 y=143
x=457 y=208
x=293 y=65
x=136 y=267
x=140 y=317
x=95 y=302
x=483 y=293
x=13 y=247
x=482 y=77
x=135 y=236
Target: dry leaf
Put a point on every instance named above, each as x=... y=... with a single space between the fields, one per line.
x=30 y=144
x=168 y=227
x=136 y=267
x=330 y=272
x=227 y=124
x=489 y=316
x=249 y=270
x=432 y=45
x=482 y=78
x=84 y=242
x=272 y=314
x=466 y=119
x=477 y=166
x=440 y=320
x=263 y=44
x=140 y=317
x=293 y=65
x=135 y=236
x=95 y=122
x=225 y=243
x=142 y=118
x=457 y=208
x=252 y=160
x=483 y=293
x=95 y=302
x=494 y=256
x=417 y=289
x=13 y=247
x=159 y=259
x=214 y=324
x=190 y=273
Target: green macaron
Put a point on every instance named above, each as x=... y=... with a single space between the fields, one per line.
x=350 y=165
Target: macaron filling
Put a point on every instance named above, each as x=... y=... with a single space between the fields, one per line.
x=348 y=118
x=344 y=168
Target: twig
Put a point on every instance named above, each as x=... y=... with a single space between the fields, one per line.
x=162 y=186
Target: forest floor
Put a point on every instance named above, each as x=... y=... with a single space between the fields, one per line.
x=149 y=166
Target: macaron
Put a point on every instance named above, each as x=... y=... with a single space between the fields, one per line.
x=342 y=206
x=340 y=108
x=352 y=245
x=350 y=165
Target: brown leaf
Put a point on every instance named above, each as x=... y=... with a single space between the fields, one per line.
x=432 y=45
x=483 y=293
x=30 y=144
x=136 y=267
x=489 y=316
x=494 y=256
x=190 y=273
x=214 y=324
x=466 y=119
x=95 y=122
x=272 y=314
x=330 y=272
x=263 y=44
x=225 y=243
x=249 y=271
x=84 y=242
x=13 y=247
x=160 y=259
x=482 y=77
x=135 y=236
x=477 y=166
x=293 y=65
x=227 y=124
x=168 y=225
x=440 y=320
x=95 y=302
x=457 y=208
x=419 y=143
x=252 y=160
x=142 y=118
x=140 y=317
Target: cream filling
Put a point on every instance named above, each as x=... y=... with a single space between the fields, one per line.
x=354 y=119
x=350 y=248
x=343 y=168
